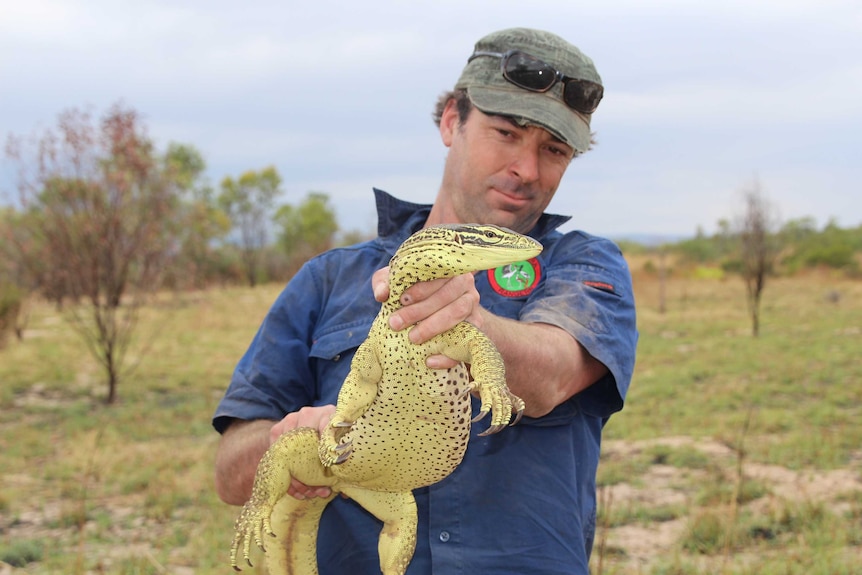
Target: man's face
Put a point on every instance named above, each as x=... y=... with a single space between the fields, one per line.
x=498 y=172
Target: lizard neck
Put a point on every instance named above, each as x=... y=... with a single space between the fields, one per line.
x=401 y=277
x=398 y=284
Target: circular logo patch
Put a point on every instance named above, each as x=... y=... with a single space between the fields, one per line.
x=516 y=279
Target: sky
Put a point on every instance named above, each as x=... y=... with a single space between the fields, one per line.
x=703 y=99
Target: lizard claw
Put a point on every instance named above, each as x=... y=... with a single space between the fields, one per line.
x=518 y=416
x=330 y=450
x=503 y=404
x=518 y=407
x=334 y=453
x=344 y=451
x=492 y=430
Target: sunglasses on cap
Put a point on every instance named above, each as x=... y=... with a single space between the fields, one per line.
x=530 y=73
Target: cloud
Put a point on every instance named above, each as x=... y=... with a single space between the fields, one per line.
x=822 y=96
x=700 y=97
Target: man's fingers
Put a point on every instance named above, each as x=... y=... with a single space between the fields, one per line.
x=300 y=490
x=442 y=320
x=440 y=362
x=316 y=417
x=436 y=306
x=424 y=290
x=380 y=284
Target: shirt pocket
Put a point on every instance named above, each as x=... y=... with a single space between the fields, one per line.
x=333 y=343
x=330 y=356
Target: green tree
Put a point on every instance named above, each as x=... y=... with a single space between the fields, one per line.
x=798 y=231
x=351 y=237
x=200 y=220
x=833 y=247
x=249 y=202
x=700 y=249
x=307 y=229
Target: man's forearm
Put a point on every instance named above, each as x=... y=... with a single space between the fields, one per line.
x=239 y=451
x=545 y=366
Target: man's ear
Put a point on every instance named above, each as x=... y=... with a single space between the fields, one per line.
x=449 y=122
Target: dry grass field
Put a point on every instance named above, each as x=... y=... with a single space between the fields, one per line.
x=734 y=455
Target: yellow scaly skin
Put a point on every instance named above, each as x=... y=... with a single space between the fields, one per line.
x=398 y=425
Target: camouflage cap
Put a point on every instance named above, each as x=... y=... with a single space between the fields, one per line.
x=493 y=94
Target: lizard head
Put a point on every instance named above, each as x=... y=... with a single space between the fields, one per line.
x=452 y=249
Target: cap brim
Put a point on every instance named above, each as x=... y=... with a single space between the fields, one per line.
x=542 y=109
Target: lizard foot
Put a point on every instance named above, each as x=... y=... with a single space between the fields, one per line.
x=331 y=451
x=252 y=523
x=503 y=404
x=337 y=455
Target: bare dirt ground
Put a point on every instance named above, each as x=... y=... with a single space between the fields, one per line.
x=632 y=548
x=637 y=546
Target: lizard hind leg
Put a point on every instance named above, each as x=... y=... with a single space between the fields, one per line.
x=398 y=538
x=275 y=521
x=295 y=523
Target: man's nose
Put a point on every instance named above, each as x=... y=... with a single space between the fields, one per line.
x=525 y=164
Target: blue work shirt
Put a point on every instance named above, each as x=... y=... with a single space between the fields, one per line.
x=523 y=500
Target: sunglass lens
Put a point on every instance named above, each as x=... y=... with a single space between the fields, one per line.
x=530 y=73
x=583 y=95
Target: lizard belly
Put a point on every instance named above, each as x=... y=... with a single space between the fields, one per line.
x=413 y=434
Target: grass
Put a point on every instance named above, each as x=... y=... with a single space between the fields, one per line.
x=699 y=372
x=127 y=489
x=789 y=399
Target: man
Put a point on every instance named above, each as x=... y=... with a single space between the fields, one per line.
x=523 y=500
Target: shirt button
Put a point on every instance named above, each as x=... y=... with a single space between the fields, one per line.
x=444 y=536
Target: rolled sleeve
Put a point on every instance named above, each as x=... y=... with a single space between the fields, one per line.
x=302 y=351
x=587 y=292
x=274 y=376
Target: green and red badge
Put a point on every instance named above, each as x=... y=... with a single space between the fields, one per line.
x=516 y=279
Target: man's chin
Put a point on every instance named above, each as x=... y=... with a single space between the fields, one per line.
x=507 y=218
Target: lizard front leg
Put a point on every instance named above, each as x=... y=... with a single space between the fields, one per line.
x=357 y=393
x=467 y=343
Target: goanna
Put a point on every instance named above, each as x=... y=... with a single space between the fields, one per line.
x=398 y=425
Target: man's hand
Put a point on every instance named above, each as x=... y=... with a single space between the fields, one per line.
x=545 y=365
x=315 y=417
x=432 y=307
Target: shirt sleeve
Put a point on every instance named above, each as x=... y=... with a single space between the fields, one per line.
x=274 y=376
x=587 y=291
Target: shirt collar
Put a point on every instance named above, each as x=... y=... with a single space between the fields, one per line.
x=397 y=219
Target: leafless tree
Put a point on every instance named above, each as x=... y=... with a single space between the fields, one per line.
x=97 y=209
x=756 y=227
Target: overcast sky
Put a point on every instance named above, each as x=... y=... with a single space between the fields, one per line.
x=702 y=98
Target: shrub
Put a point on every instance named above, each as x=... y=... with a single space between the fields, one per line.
x=11 y=299
x=20 y=553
